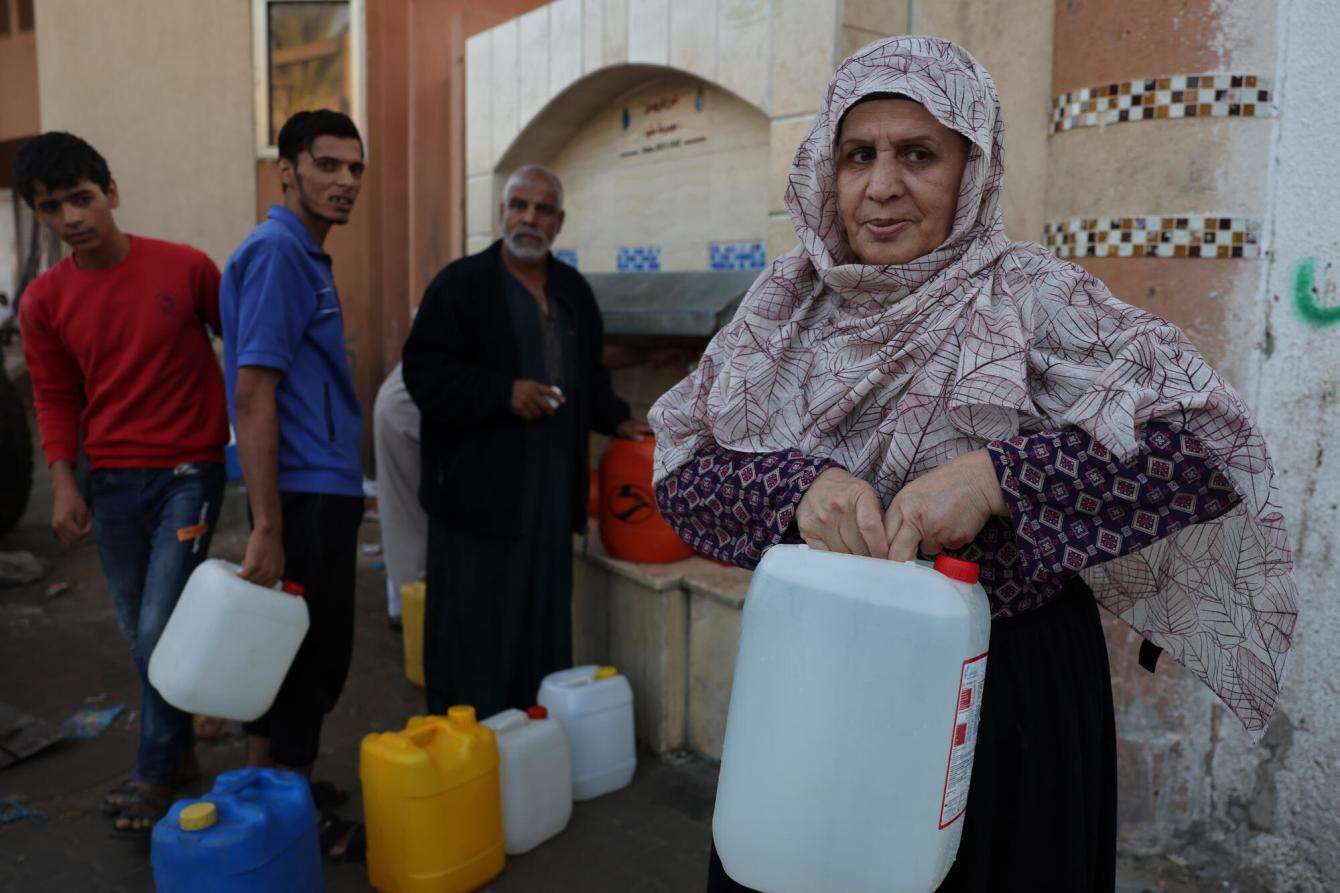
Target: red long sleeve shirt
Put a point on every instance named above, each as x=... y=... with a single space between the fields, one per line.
x=123 y=353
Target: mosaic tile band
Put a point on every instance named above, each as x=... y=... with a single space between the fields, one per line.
x=639 y=259
x=1198 y=236
x=737 y=256
x=1181 y=96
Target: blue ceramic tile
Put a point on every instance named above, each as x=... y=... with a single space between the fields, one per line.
x=639 y=259
x=737 y=256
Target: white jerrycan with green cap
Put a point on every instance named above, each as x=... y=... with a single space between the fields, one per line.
x=853 y=718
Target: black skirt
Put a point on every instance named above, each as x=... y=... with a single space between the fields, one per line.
x=1042 y=808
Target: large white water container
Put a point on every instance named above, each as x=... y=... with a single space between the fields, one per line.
x=536 y=777
x=852 y=722
x=595 y=705
x=228 y=644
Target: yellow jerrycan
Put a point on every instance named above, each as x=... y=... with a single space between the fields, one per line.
x=412 y=600
x=432 y=805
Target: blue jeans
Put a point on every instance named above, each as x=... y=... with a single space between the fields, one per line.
x=138 y=514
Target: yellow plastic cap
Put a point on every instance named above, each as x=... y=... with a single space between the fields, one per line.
x=607 y=672
x=198 y=816
x=462 y=716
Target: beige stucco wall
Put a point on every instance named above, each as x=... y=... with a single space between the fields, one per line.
x=655 y=183
x=177 y=133
x=1013 y=39
x=774 y=56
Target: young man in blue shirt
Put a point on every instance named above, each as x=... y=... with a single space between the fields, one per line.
x=297 y=420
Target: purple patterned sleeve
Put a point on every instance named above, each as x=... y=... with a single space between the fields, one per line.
x=1073 y=504
x=732 y=506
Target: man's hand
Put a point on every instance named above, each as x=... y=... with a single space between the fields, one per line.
x=944 y=508
x=630 y=429
x=69 y=512
x=840 y=513
x=532 y=400
x=264 y=561
x=258 y=450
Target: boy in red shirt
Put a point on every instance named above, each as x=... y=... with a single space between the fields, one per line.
x=117 y=350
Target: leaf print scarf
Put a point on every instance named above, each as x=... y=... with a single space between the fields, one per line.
x=893 y=370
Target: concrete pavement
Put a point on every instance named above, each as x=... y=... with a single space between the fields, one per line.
x=63 y=653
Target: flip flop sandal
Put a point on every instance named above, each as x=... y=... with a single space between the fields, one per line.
x=143 y=812
x=119 y=797
x=342 y=840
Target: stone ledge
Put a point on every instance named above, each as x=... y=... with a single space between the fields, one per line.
x=697 y=575
x=671 y=629
x=719 y=582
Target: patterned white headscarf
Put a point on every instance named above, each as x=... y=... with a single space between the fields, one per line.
x=893 y=370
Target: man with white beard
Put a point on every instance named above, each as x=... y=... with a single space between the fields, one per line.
x=504 y=362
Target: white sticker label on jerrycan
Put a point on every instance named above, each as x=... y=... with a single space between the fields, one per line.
x=963 y=740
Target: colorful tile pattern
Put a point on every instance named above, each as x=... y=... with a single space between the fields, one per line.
x=568 y=256
x=1190 y=236
x=737 y=256
x=1182 y=96
x=639 y=259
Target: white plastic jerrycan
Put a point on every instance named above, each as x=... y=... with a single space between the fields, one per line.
x=536 y=777
x=595 y=705
x=228 y=644
x=852 y=722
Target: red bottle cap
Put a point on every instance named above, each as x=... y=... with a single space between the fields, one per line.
x=957 y=569
x=537 y=712
x=293 y=588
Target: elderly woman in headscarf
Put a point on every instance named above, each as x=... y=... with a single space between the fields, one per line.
x=908 y=381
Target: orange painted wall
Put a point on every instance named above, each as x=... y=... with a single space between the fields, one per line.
x=1194 y=295
x=1101 y=42
x=18 y=85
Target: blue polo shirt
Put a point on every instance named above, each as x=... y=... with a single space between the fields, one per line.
x=280 y=310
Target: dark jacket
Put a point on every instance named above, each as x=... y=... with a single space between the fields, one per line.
x=460 y=362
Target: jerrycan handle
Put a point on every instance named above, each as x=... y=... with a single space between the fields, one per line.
x=508 y=720
x=241 y=782
x=423 y=734
x=288 y=587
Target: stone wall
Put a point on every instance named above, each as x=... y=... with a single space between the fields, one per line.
x=672 y=151
x=533 y=83
x=1275 y=805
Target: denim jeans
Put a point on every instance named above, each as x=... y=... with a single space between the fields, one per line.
x=153 y=527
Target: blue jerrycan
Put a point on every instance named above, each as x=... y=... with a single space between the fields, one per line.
x=254 y=833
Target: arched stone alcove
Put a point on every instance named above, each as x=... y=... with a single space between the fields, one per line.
x=662 y=171
x=534 y=83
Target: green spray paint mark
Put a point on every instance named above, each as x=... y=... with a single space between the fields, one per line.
x=1305 y=297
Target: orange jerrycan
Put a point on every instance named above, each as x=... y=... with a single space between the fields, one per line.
x=432 y=805
x=631 y=527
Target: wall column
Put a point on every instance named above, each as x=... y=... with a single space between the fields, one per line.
x=1159 y=147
